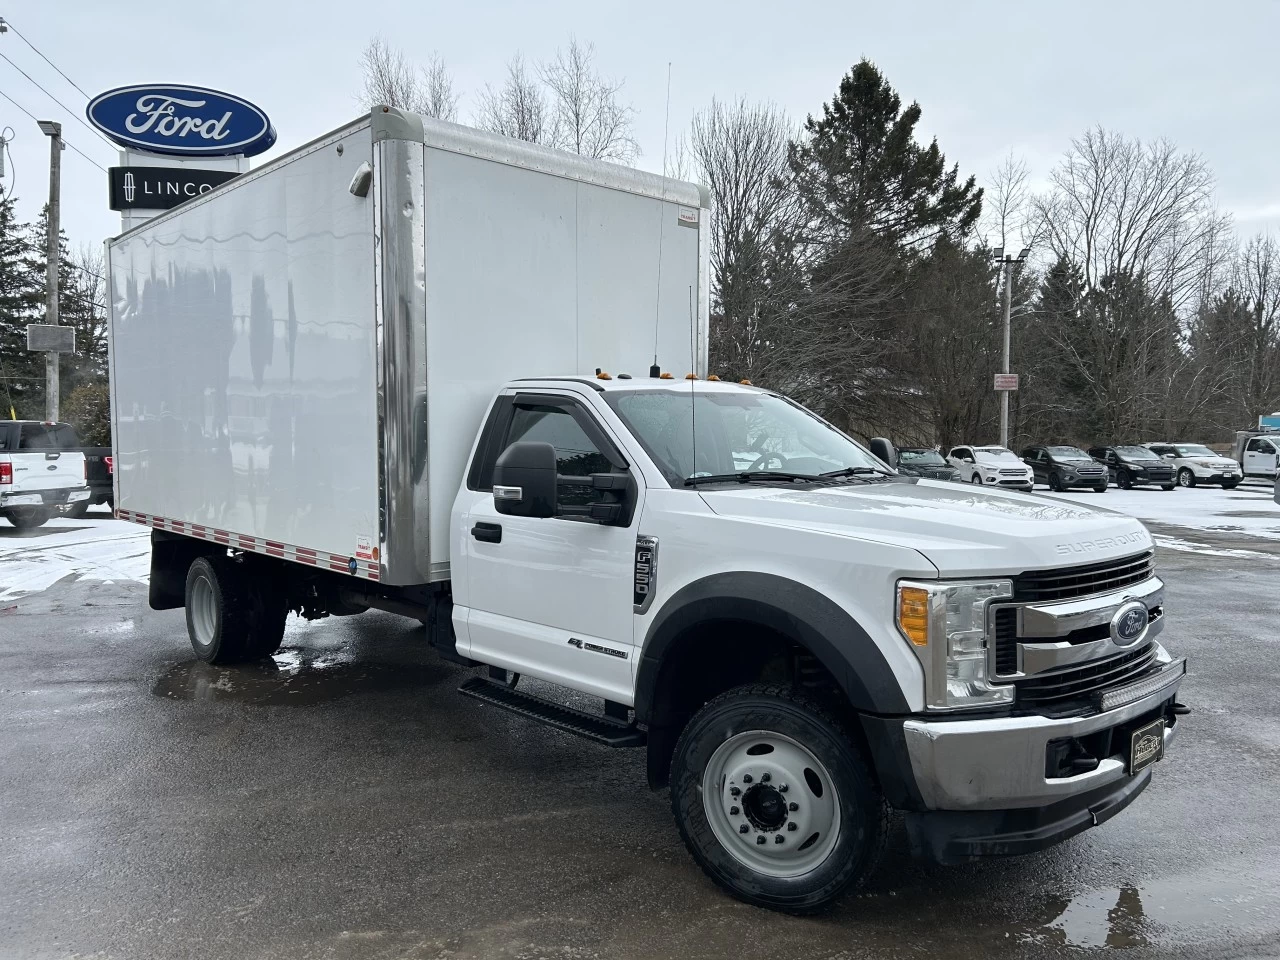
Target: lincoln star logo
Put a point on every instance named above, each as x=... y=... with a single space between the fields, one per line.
x=1129 y=623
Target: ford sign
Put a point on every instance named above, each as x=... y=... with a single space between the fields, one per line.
x=181 y=120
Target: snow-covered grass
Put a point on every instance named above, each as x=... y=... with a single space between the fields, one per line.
x=93 y=548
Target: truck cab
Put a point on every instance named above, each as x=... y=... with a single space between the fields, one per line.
x=39 y=475
x=806 y=639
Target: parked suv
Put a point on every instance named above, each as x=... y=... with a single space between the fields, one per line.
x=995 y=466
x=1064 y=467
x=37 y=476
x=1130 y=466
x=1195 y=463
x=925 y=463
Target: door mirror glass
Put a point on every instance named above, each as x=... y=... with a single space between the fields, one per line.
x=524 y=480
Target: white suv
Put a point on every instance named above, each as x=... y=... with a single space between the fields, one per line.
x=1195 y=463
x=36 y=475
x=991 y=466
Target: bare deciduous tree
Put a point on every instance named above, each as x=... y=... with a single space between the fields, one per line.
x=1007 y=209
x=391 y=78
x=517 y=109
x=587 y=117
x=1120 y=207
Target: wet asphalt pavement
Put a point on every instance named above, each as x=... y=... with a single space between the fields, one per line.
x=345 y=802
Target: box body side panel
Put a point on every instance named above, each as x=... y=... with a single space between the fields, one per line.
x=244 y=358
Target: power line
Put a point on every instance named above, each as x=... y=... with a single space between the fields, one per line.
x=55 y=100
x=9 y=24
x=64 y=139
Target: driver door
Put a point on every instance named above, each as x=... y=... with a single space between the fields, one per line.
x=1260 y=457
x=551 y=597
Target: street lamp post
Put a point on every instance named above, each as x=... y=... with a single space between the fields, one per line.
x=1007 y=263
x=52 y=388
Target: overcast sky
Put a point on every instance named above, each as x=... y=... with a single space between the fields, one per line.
x=991 y=77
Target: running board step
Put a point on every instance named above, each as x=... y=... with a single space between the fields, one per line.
x=612 y=733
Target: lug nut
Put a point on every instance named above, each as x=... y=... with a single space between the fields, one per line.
x=733 y=811
x=746 y=778
x=778 y=838
x=783 y=788
x=793 y=806
x=760 y=840
x=734 y=791
x=743 y=829
x=791 y=825
x=765 y=777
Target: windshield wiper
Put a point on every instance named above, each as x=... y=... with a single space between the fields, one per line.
x=857 y=472
x=748 y=476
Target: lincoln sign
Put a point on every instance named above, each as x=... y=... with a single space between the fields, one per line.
x=160 y=188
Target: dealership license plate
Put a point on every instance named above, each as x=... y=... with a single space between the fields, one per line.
x=1146 y=745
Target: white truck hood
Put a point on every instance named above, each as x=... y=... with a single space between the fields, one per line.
x=962 y=530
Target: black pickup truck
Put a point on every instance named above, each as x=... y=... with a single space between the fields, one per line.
x=99 y=470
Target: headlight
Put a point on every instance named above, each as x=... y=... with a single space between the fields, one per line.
x=946 y=625
x=1204 y=463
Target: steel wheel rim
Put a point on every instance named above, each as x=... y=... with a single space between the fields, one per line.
x=204 y=615
x=765 y=767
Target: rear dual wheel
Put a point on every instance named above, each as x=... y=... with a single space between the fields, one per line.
x=233 y=616
x=775 y=801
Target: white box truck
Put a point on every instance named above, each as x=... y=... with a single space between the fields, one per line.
x=411 y=366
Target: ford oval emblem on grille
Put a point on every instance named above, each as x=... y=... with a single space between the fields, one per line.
x=1129 y=624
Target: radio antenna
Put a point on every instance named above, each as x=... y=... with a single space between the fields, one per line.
x=662 y=216
x=693 y=382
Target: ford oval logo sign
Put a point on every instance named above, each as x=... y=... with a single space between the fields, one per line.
x=181 y=120
x=1129 y=624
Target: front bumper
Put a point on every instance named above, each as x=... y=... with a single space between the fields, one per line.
x=1217 y=476
x=1091 y=480
x=44 y=498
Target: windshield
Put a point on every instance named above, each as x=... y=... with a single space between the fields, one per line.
x=1136 y=453
x=997 y=454
x=1193 y=450
x=921 y=458
x=737 y=431
x=1069 y=453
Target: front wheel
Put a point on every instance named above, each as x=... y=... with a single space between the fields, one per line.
x=28 y=518
x=774 y=800
x=1101 y=488
x=1055 y=483
x=1166 y=486
x=1231 y=486
x=975 y=478
x=1186 y=478
x=1123 y=480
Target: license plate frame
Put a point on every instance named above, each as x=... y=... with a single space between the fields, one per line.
x=1146 y=746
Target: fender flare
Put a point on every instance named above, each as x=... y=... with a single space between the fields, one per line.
x=790 y=608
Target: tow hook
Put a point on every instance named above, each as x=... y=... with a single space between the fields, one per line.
x=1181 y=709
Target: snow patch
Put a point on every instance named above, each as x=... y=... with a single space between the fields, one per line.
x=101 y=550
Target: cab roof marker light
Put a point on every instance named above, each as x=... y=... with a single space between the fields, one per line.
x=713 y=377
x=666 y=376
x=691 y=376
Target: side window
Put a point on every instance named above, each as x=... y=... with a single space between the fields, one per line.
x=7 y=437
x=1267 y=447
x=34 y=436
x=576 y=455
x=64 y=437
x=1253 y=446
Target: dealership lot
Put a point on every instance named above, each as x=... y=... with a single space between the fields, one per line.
x=343 y=801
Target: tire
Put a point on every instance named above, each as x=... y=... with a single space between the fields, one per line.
x=1186 y=478
x=1100 y=489
x=28 y=518
x=231 y=619
x=77 y=509
x=976 y=478
x=833 y=807
x=1123 y=480
x=1231 y=486
x=1166 y=486
x=1055 y=482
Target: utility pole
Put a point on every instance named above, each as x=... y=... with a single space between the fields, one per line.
x=1007 y=263
x=54 y=132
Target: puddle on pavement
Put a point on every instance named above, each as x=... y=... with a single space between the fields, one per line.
x=1202 y=907
x=291 y=677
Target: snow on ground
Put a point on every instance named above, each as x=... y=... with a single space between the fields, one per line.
x=93 y=548
x=1230 y=520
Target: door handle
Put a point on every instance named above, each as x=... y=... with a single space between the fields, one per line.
x=487 y=532
x=52 y=456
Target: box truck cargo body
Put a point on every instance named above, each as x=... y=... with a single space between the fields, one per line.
x=301 y=358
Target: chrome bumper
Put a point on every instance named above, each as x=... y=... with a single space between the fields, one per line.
x=999 y=764
x=38 y=498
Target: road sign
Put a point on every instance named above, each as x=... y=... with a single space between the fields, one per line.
x=51 y=338
x=1006 y=381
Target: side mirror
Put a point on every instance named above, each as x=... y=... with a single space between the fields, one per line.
x=885 y=450
x=968 y=459
x=1169 y=456
x=524 y=480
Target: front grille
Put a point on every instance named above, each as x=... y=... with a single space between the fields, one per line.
x=1068 y=583
x=1081 y=681
x=1013 y=473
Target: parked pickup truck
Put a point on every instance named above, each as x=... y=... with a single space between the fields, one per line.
x=1257 y=453
x=38 y=475
x=411 y=366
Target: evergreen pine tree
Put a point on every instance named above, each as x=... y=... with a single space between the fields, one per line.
x=21 y=303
